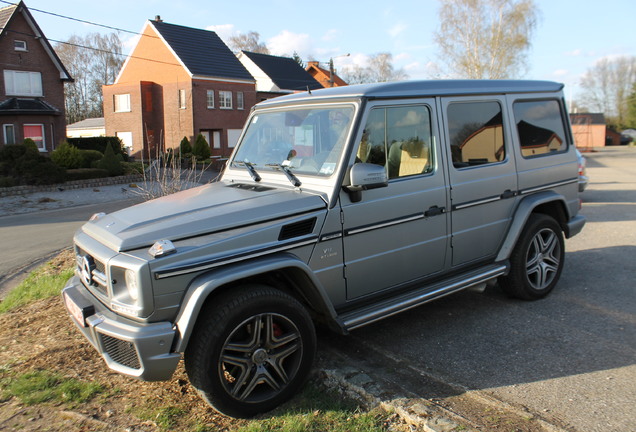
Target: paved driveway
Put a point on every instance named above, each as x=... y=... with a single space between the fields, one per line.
x=569 y=359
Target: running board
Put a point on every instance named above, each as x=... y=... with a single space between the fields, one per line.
x=370 y=314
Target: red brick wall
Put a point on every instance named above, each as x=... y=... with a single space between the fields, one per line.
x=35 y=59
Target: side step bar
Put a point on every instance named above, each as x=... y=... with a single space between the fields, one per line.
x=370 y=314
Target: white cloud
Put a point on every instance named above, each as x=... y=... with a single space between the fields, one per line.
x=560 y=73
x=130 y=43
x=330 y=36
x=286 y=43
x=397 y=29
x=224 y=31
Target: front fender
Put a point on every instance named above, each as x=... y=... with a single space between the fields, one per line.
x=205 y=285
x=523 y=212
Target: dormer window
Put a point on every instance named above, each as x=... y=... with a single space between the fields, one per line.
x=19 y=45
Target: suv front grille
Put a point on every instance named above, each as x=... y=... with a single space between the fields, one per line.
x=92 y=271
x=121 y=352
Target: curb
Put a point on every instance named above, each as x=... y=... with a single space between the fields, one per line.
x=75 y=184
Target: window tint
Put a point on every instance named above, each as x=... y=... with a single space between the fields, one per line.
x=540 y=127
x=398 y=138
x=476 y=133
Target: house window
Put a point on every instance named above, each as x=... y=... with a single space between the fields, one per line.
x=225 y=99
x=239 y=100
x=122 y=103
x=36 y=133
x=20 y=83
x=210 y=98
x=19 y=45
x=9 y=134
x=182 y=99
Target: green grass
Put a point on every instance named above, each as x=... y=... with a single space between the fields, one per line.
x=317 y=409
x=43 y=386
x=38 y=285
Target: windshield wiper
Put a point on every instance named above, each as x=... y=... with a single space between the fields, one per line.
x=290 y=176
x=250 y=169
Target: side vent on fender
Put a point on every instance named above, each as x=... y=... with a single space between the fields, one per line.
x=297 y=229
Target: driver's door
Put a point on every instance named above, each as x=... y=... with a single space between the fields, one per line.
x=397 y=235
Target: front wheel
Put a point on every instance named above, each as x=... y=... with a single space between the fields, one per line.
x=251 y=351
x=537 y=259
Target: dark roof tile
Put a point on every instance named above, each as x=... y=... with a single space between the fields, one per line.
x=286 y=73
x=202 y=51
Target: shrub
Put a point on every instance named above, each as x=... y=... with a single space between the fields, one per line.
x=201 y=149
x=185 y=149
x=90 y=157
x=25 y=164
x=133 y=168
x=7 y=182
x=110 y=162
x=30 y=144
x=67 y=156
x=99 y=144
x=85 y=174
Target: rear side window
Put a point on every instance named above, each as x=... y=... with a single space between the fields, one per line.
x=398 y=138
x=540 y=127
x=476 y=133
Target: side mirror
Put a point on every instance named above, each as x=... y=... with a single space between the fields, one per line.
x=365 y=176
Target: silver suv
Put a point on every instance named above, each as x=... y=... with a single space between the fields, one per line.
x=341 y=206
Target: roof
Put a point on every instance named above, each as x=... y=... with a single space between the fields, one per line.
x=89 y=123
x=412 y=89
x=6 y=15
x=202 y=52
x=15 y=106
x=582 y=118
x=285 y=72
x=315 y=67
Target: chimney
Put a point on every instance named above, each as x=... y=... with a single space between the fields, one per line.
x=158 y=18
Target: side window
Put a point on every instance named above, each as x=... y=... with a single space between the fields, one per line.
x=540 y=127
x=398 y=138
x=476 y=133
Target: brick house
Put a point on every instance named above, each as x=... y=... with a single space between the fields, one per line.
x=590 y=131
x=178 y=81
x=276 y=76
x=32 y=82
x=328 y=78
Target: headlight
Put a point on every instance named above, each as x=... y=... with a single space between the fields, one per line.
x=132 y=285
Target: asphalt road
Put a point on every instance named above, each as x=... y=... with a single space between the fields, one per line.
x=569 y=359
x=28 y=238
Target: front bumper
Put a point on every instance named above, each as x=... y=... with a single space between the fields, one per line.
x=131 y=348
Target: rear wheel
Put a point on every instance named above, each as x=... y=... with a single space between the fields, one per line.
x=251 y=351
x=537 y=259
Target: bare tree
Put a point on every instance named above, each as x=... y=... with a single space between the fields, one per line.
x=485 y=39
x=607 y=87
x=247 y=42
x=92 y=60
x=380 y=69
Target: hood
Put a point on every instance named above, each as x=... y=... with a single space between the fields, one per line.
x=202 y=210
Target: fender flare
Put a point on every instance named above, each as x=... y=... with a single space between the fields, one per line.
x=523 y=212
x=206 y=284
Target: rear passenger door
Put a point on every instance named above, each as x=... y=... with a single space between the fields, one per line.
x=482 y=175
x=396 y=236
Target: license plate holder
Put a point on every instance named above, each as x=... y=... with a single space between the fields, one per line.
x=78 y=312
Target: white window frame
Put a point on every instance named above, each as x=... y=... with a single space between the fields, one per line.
x=41 y=147
x=210 y=99
x=119 y=106
x=11 y=78
x=225 y=99
x=5 y=128
x=19 y=45
x=240 y=103
x=182 y=99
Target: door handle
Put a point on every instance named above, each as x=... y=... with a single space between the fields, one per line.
x=508 y=194
x=434 y=211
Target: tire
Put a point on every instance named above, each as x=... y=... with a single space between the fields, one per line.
x=252 y=350
x=536 y=261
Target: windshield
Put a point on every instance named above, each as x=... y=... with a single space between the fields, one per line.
x=304 y=140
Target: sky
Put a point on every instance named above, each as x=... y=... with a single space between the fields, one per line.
x=571 y=35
